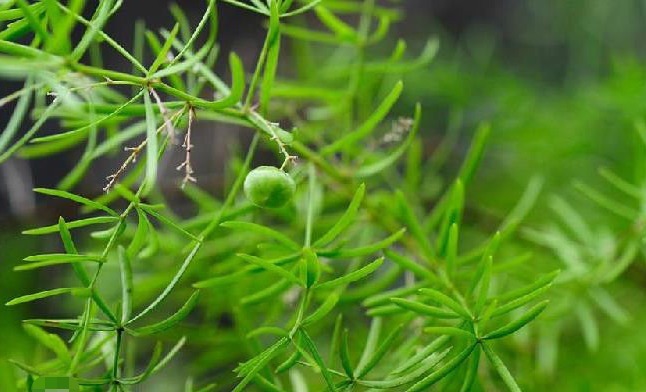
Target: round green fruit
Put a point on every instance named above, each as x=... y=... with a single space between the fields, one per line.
x=269 y=187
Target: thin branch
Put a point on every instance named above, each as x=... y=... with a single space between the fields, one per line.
x=188 y=146
x=271 y=129
x=170 y=130
x=134 y=153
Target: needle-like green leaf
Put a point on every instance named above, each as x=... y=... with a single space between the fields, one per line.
x=178 y=275
x=310 y=347
x=385 y=345
x=364 y=250
x=152 y=149
x=352 y=276
x=322 y=310
x=43 y=294
x=17 y=116
x=27 y=135
x=264 y=264
x=344 y=353
x=171 y=321
x=273 y=51
x=445 y=300
x=34 y=22
x=264 y=231
x=427 y=364
x=474 y=155
x=141 y=234
x=500 y=368
x=346 y=219
x=51 y=341
x=423 y=309
x=56 y=259
x=451 y=331
x=442 y=372
x=519 y=297
x=72 y=225
x=520 y=322
x=410 y=265
x=380 y=165
x=125 y=268
x=472 y=370
x=367 y=126
x=167 y=221
x=163 y=52
x=252 y=367
x=336 y=25
x=78 y=199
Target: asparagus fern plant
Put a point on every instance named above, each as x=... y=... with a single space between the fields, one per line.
x=342 y=270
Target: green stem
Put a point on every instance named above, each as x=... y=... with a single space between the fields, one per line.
x=301 y=312
x=310 y=205
x=256 y=74
x=234 y=190
x=117 y=351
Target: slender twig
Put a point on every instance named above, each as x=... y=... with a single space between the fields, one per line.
x=188 y=146
x=170 y=130
x=134 y=153
x=271 y=128
x=17 y=94
x=107 y=82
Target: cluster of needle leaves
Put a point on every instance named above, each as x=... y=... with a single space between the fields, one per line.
x=369 y=279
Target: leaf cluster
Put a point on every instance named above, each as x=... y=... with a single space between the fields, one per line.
x=370 y=279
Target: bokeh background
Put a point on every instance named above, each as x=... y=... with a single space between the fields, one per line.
x=561 y=82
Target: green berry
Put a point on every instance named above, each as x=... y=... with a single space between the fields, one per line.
x=269 y=187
